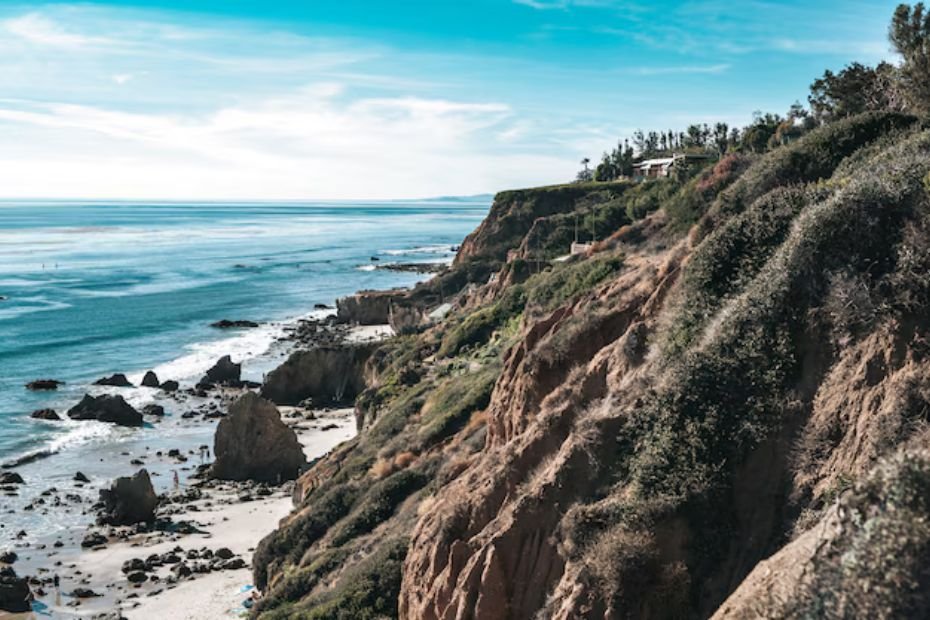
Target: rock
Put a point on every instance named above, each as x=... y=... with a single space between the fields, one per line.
x=224 y=553
x=233 y=564
x=368 y=307
x=106 y=408
x=181 y=570
x=8 y=557
x=224 y=372
x=322 y=307
x=129 y=500
x=79 y=477
x=45 y=414
x=10 y=477
x=84 y=593
x=150 y=380
x=93 y=539
x=43 y=384
x=227 y=324
x=252 y=443
x=154 y=410
x=117 y=380
x=133 y=565
x=329 y=374
x=170 y=386
x=15 y=596
x=137 y=577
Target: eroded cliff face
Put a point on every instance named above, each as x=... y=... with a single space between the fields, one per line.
x=633 y=433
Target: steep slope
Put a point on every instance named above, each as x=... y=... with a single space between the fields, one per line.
x=632 y=433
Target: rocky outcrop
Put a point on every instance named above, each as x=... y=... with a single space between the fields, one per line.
x=45 y=414
x=224 y=372
x=368 y=307
x=327 y=374
x=10 y=477
x=40 y=385
x=15 y=595
x=252 y=443
x=106 y=408
x=170 y=386
x=150 y=380
x=129 y=500
x=117 y=380
x=237 y=324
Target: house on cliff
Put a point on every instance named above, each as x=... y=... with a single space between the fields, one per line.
x=663 y=166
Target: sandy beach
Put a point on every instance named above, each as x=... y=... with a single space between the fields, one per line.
x=223 y=521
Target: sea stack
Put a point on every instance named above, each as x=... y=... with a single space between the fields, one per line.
x=252 y=443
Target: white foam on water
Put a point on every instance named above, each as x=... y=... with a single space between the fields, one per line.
x=425 y=249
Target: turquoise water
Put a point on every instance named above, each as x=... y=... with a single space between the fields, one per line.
x=97 y=288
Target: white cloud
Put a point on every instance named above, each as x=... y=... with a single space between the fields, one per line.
x=37 y=29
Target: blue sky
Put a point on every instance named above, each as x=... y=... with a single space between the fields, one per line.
x=219 y=99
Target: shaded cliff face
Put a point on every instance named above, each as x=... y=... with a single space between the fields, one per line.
x=631 y=434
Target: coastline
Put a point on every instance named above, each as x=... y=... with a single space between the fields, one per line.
x=235 y=516
x=224 y=517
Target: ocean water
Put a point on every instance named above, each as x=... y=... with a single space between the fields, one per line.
x=98 y=288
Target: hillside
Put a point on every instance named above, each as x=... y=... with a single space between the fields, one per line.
x=720 y=410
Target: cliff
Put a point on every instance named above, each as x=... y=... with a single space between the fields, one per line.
x=721 y=409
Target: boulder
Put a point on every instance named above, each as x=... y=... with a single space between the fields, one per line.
x=93 y=539
x=45 y=414
x=43 y=384
x=15 y=596
x=330 y=374
x=129 y=500
x=227 y=324
x=170 y=386
x=117 y=380
x=8 y=557
x=150 y=380
x=106 y=408
x=252 y=443
x=154 y=410
x=224 y=372
x=10 y=477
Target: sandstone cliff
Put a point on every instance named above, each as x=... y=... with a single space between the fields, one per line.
x=676 y=425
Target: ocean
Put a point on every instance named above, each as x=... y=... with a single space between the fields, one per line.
x=92 y=289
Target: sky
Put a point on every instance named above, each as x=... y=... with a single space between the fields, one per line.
x=353 y=99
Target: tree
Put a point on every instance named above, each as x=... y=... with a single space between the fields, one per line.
x=910 y=35
x=585 y=174
x=605 y=171
x=855 y=89
x=721 y=137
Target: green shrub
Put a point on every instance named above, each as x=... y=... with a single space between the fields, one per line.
x=378 y=504
x=453 y=402
x=367 y=591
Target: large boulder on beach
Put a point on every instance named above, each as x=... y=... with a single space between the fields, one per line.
x=15 y=596
x=224 y=372
x=252 y=443
x=150 y=380
x=327 y=374
x=129 y=500
x=170 y=386
x=106 y=408
x=43 y=384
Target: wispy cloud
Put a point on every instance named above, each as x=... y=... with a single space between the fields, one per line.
x=683 y=69
x=37 y=29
